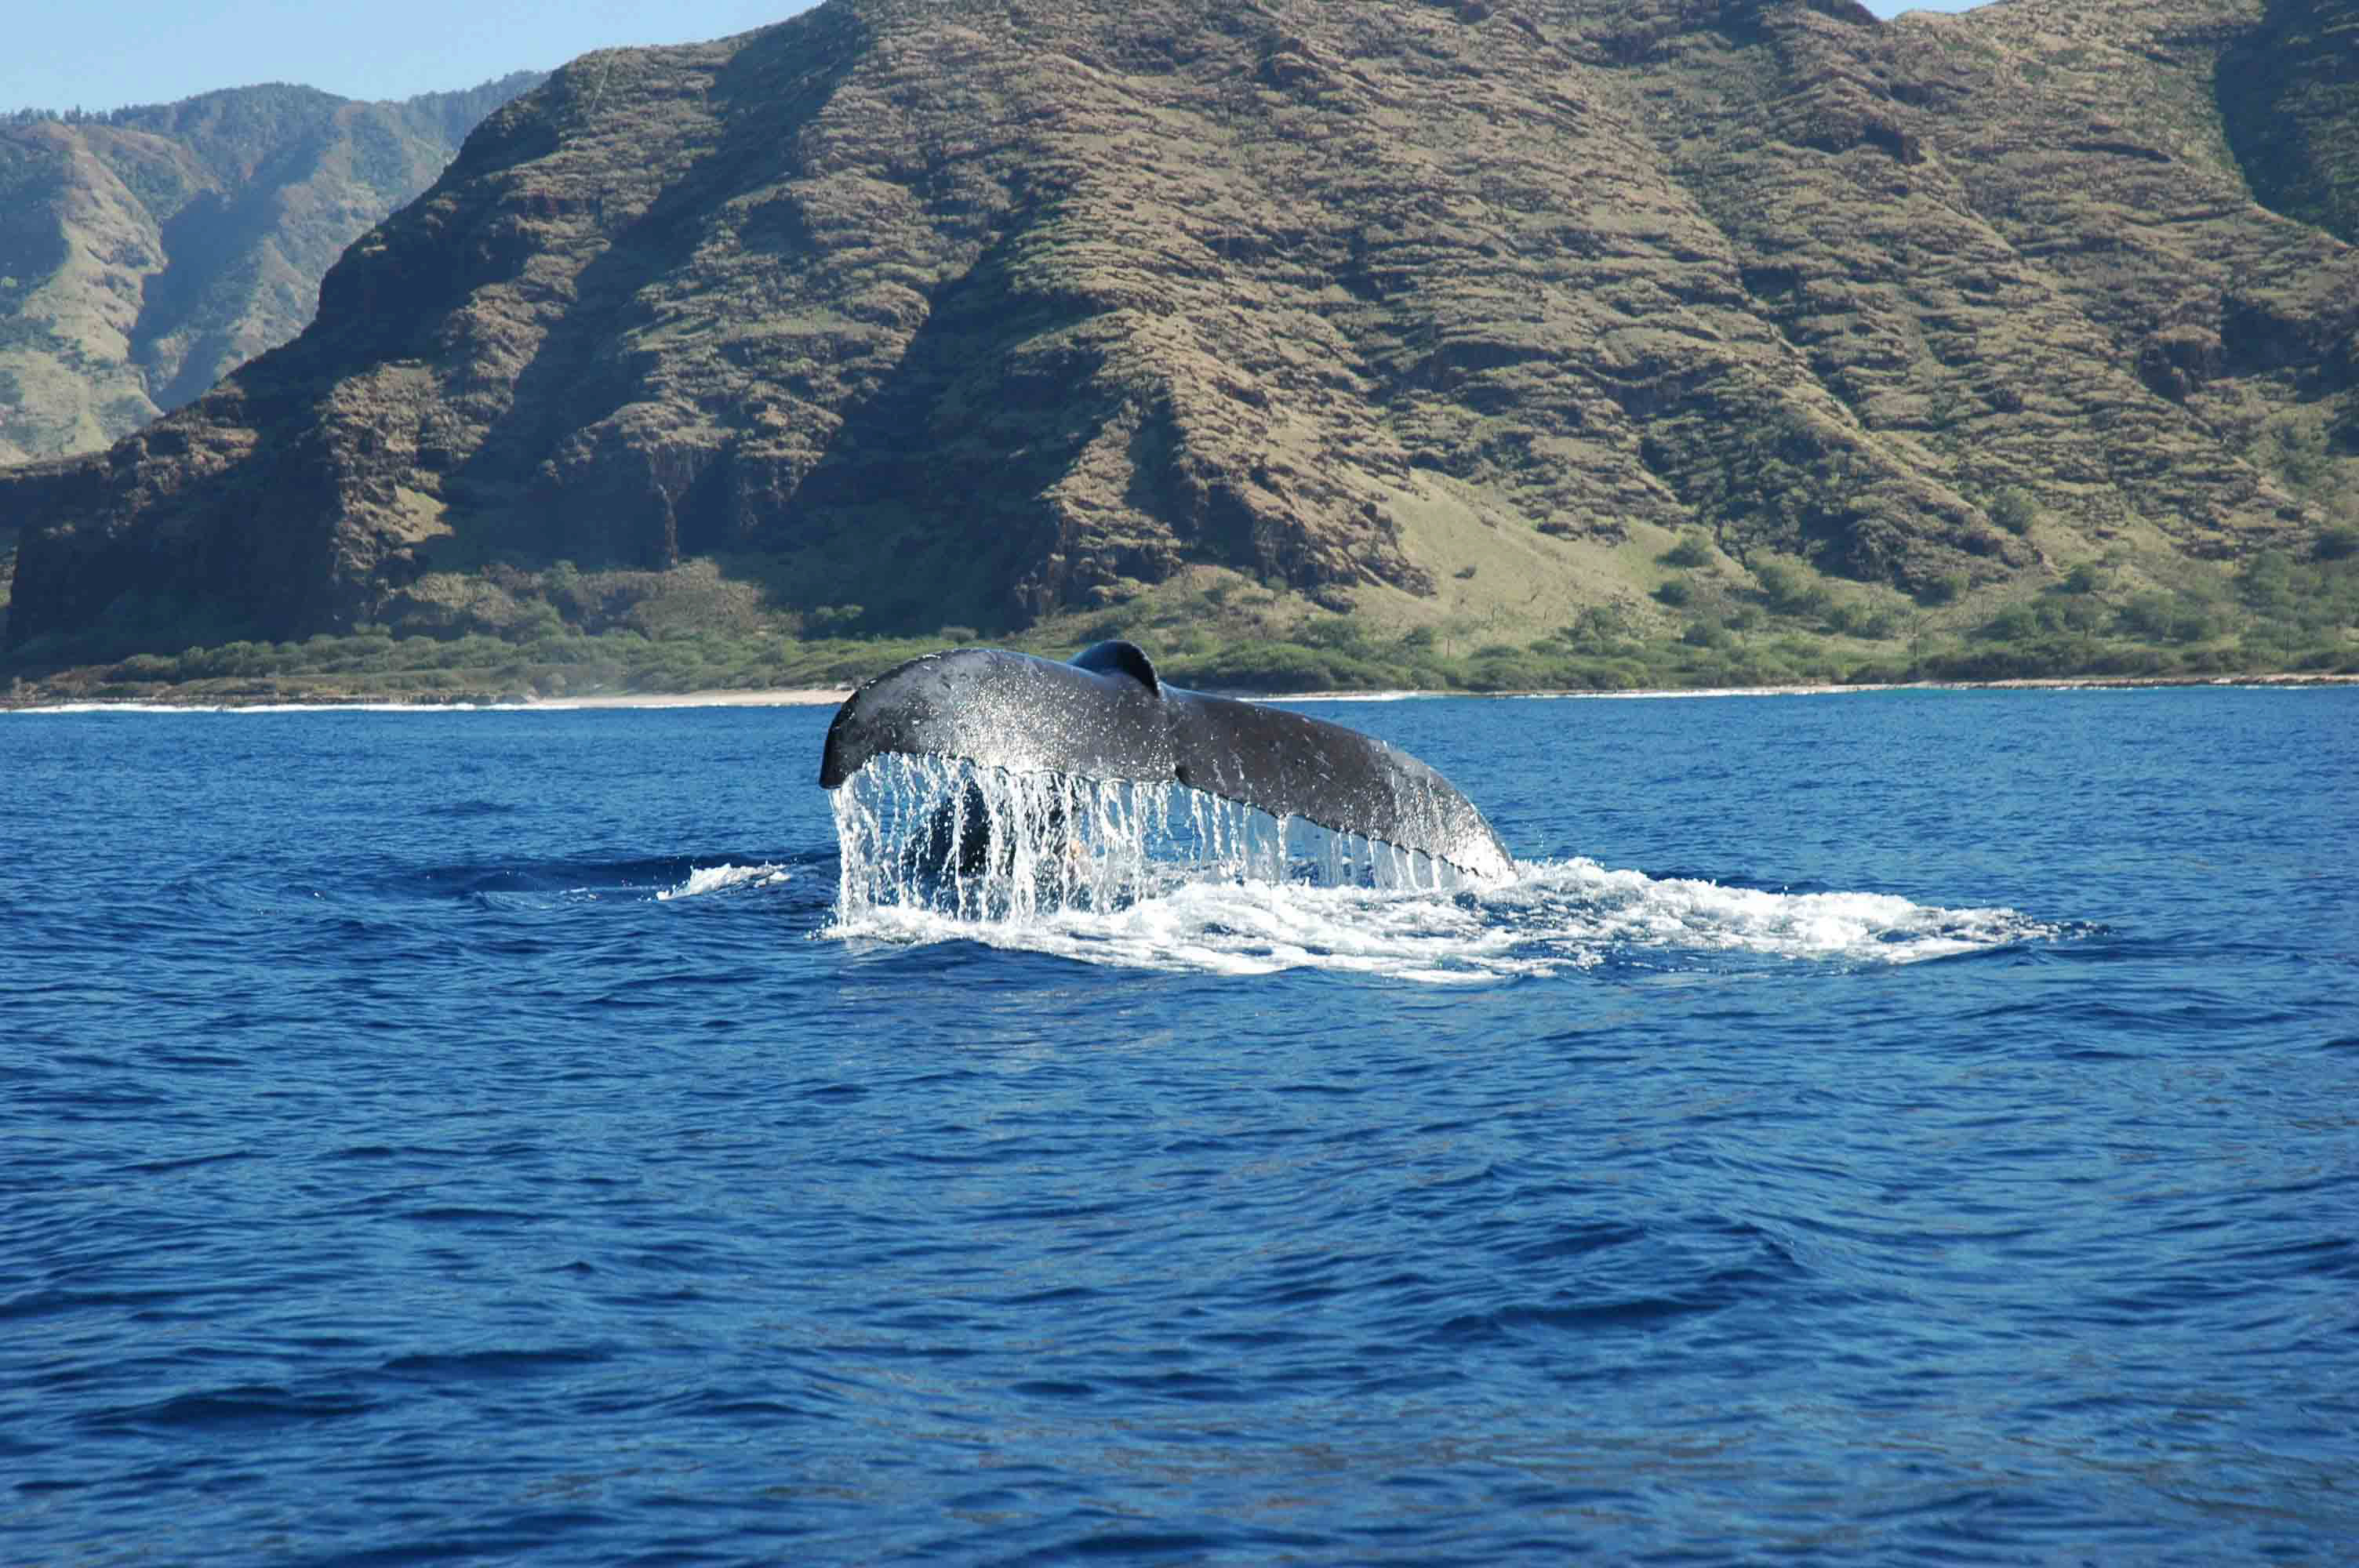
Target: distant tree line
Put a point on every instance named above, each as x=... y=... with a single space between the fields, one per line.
x=78 y=115
x=461 y=108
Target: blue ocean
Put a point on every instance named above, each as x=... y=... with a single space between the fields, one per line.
x=1886 y=1127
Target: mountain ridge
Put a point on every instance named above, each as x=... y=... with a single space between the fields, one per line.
x=147 y=252
x=983 y=313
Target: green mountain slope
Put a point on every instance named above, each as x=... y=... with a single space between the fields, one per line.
x=2289 y=95
x=145 y=254
x=985 y=311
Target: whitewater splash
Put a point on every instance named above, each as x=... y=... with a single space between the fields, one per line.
x=945 y=835
x=703 y=880
x=1127 y=875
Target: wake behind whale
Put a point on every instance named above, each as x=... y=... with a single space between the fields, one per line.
x=1266 y=907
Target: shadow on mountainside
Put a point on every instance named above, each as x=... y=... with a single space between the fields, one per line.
x=2288 y=97
x=581 y=371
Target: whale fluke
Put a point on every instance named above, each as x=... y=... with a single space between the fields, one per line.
x=1107 y=715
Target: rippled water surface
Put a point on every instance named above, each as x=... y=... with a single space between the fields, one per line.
x=1887 y=1127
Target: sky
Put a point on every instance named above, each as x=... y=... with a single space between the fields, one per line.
x=103 y=54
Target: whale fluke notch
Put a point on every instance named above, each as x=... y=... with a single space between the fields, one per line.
x=1107 y=714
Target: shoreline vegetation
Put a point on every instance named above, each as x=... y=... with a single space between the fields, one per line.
x=1708 y=623
x=822 y=696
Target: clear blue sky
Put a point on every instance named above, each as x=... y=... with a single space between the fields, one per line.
x=103 y=54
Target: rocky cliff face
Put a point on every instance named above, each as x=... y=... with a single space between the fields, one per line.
x=967 y=311
x=145 y=254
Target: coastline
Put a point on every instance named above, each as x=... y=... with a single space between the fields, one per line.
x=816 y=696
x=790 y=696
x=1832 y=689
x=209 y=702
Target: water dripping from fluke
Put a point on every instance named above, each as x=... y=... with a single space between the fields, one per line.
x=1107 y=716
x=958 y=838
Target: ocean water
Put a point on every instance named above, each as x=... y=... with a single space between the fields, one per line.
x=1887 y=1127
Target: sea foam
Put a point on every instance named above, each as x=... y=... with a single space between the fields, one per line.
x=1166 y=877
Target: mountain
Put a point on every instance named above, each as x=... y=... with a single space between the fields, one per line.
x=983 y=310
x=146 y=252
x=2289 y=95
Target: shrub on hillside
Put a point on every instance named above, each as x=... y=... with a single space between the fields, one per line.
x=2014 y=510
x=2168 y=617
x=1786 y=591
x=1691 y=551
x=1947 y=588
x=833 y=621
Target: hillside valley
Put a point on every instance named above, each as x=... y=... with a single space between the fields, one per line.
x=146 y=252
x=1510 y=342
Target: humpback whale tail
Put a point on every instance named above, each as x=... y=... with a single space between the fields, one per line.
x=1108 y=717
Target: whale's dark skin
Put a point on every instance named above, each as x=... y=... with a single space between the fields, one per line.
x=1107 y=715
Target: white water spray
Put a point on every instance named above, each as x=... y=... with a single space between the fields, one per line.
x=1105 y=871
x=984 y=844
